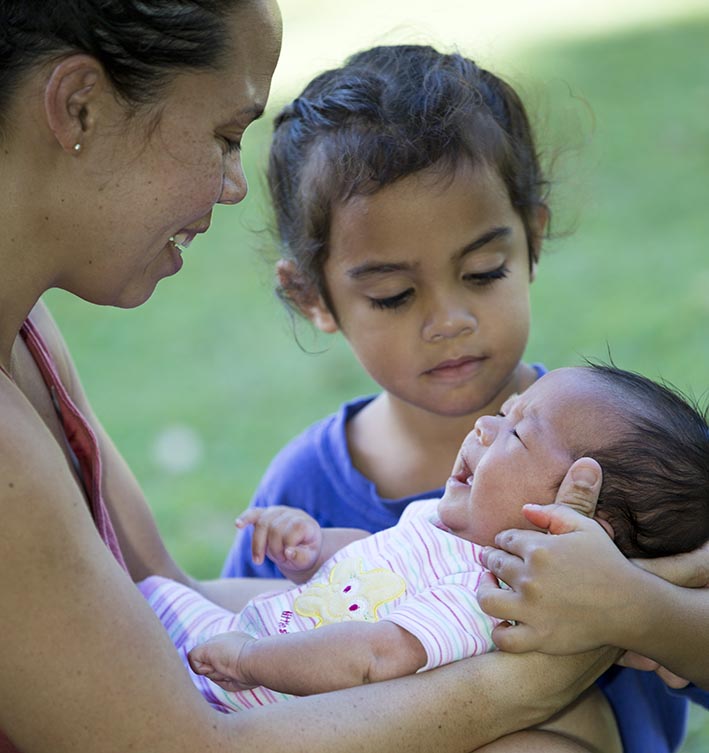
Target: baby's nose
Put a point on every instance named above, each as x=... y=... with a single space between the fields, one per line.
x=485 y=430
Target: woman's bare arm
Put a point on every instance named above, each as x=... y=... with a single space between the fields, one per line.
x=87 y=666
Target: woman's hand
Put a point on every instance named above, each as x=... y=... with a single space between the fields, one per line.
x=552 y=604
x=289 y=537
x=564 y=588
x=573 y=590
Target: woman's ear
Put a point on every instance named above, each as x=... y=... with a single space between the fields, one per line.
x=308 y=301
x=71 y=99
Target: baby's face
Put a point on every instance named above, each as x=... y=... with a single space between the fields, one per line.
x=522 y=454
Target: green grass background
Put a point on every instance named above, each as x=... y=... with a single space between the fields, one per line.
x=212 y=354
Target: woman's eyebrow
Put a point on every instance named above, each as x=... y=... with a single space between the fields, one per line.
x=247 y=114
x=369 y=269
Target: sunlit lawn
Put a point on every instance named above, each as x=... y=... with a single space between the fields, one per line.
x=202 y=385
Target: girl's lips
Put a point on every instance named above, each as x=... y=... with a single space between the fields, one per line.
x=457 y=368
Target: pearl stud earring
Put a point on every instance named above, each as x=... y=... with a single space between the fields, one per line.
x=77 y=147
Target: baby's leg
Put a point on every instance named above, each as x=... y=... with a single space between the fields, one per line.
x=586 y=726
x=187 y=616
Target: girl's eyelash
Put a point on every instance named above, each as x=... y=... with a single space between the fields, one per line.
x=480 y=279
x=392 y=302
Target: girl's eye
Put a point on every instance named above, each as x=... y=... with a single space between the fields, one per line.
x=392 y=302
x=481 y=279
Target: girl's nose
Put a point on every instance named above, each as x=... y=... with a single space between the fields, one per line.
x=486 y=430
x=234 y=185
x=450 y=319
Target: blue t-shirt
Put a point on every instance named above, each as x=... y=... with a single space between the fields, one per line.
x=314 y=472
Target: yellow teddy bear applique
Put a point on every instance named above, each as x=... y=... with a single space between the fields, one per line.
x=351 y=594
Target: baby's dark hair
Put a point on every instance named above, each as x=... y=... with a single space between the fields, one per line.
x=387 y=113
x=655 y=490
x=140 y=43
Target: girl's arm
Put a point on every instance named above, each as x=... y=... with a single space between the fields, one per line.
x=331 y=658
x=574 y=590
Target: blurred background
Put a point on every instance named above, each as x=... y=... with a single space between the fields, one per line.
x=201 y=386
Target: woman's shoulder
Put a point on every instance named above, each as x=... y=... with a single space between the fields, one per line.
x=33 y=472
x=29 y=455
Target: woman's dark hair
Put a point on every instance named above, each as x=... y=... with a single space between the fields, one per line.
x=386 y=113
x=140 y=43
x=655 y=490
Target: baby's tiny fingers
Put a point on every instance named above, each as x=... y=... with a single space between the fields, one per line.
x=259 y=542
x=250 y=516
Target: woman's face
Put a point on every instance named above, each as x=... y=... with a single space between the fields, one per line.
x=149 y=183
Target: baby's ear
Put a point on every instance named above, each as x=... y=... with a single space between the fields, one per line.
x=304 y=297
x=605 y=525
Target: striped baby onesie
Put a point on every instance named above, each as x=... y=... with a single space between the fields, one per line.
x=415 y=574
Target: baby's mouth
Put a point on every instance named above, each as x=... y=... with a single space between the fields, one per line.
x=462 y=472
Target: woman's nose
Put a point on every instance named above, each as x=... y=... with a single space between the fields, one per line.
x=486 y=430
x=234 y=185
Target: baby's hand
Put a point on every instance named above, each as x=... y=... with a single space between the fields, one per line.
x=219 y=660
x=288 y=536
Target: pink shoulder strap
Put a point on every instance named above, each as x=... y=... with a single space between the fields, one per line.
x=80 y=437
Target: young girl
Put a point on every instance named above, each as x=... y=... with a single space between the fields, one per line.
x=411 y=207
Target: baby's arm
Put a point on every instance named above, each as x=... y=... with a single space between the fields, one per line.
x=316 y=661
x=293 y=540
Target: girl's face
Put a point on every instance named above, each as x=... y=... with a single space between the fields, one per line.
x=155 y=177
x=521 y=455
x=429 y=279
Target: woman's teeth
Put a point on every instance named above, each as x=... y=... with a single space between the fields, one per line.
x=182 y=240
